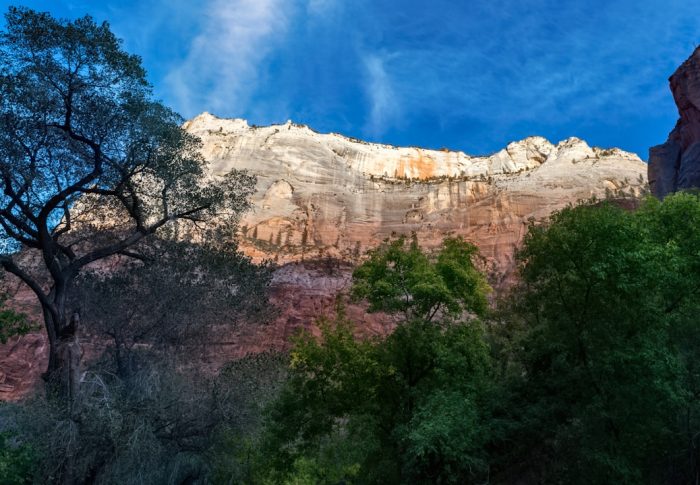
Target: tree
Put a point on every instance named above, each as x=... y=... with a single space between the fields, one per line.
x=398 y=277
x=144 y=410
x=673 y=226
x=90 y=165
x=608 y=310
x=171 y=303
x=411 y=408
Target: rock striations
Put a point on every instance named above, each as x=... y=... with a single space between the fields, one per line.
x=326 y=195
x=322 y=200
x=675 y=165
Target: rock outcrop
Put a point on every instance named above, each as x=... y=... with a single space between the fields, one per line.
x=323 y=199
x=326 y=195
x=675 y=165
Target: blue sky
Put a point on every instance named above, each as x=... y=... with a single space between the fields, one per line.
x=471 y=75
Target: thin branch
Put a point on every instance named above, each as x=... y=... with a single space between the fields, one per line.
x=11 y=267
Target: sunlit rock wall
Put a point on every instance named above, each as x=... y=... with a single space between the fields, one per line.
x=322 y=195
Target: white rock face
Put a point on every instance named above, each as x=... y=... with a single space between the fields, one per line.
x=329 y=195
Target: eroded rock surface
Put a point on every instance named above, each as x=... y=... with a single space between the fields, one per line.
x=322 y=195
x=675 y=165
x=322 y=200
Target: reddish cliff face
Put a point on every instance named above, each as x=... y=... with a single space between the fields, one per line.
x=301 y=292
x=325 y=195
x=675 y=165
x=323 y=200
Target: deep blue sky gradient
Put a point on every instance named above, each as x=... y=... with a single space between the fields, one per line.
x=471 y=75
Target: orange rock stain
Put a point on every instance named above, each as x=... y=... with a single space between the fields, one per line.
x=419 y=167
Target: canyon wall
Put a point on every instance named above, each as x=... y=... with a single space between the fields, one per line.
x=322 y=200
x=326 y=195
x=675 y=165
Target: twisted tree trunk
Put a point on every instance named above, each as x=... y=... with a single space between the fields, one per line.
x=64 y=371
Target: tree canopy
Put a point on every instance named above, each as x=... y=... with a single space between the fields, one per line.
x=398 y=277
x=587 y=372
x=410 y=408
x=91 y=166
x=607 y=308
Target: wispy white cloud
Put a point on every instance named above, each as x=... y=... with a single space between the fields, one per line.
x=224 y=60
x=384 y=109
x=555 y=67
x=471 y=75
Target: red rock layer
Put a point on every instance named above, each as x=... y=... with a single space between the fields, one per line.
x=675 y=165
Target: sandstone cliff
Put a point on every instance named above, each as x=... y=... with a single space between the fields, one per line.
x=675 y=165
x=322 y=200
x=328 y=195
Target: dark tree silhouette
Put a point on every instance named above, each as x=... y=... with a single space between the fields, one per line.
x=91 y=166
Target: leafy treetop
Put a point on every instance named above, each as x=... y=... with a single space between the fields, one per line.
x=398 y=277
x=91 y=166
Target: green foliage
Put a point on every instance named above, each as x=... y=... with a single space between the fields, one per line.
x=12 y=323
x=408 y=408
x=589 y=374
x=399 y=277
x=92 y=166
x=16 y=461
x=606 y=323
x=411 y=408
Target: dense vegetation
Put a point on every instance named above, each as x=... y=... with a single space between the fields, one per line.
x=91 y=167
x=586 y=371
